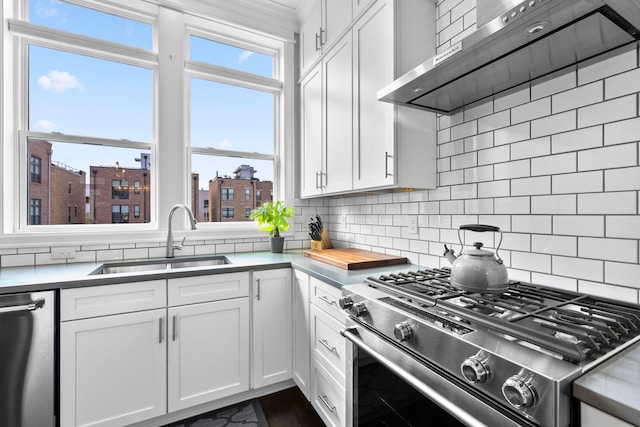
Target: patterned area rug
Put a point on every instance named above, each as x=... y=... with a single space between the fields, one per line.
x=246 y=414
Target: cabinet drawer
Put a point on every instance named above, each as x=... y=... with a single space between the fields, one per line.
x=190 y=290
x=327 y=345
x=326 y=297
x=327 y=396
x=93 y=301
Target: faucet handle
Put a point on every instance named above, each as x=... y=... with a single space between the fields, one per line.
x=179 y=245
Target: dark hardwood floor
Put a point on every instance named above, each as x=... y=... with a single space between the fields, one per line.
x=289 y=408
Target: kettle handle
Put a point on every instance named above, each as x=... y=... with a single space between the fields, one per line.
x=481 y=228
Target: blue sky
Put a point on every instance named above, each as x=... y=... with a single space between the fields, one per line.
x=81 y=95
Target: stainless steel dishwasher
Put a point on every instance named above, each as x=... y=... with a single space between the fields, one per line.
x=27 y=360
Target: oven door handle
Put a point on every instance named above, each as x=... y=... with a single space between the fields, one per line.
x=436 y=397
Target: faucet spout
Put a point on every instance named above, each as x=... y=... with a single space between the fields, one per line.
x=171 y=245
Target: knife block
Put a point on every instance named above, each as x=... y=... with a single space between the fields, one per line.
x=323 y=243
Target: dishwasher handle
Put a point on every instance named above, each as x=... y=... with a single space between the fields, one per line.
x=23 y=307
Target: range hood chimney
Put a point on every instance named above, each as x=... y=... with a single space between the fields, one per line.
x=525 y=41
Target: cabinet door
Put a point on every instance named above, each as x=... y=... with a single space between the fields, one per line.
x=208 y=351
x=374 y=138
x=113 y=369
x=197 y=289
x=272 y=327
x=337 y=114
x=310 y=27
x=337 y=18
x=301 y=356
x=311 y=124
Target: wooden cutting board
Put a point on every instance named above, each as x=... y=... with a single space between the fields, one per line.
x=354 y=259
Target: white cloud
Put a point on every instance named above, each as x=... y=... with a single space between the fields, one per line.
x=225 y=143
x=59 y=81
x=244 y=56
x=45 y=125
x=47 y=9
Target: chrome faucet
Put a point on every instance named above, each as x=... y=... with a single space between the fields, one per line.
x=171 y=245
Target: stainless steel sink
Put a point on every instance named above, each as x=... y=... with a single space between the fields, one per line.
x=159 y=265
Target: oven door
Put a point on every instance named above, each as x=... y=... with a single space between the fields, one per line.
x=388 y=387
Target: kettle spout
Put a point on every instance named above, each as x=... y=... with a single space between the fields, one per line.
x=449 y=254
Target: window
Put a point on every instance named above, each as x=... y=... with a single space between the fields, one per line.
x=227 y=193
x=247 y=194
x=227 y=212
x=119 y=214
x=258 y=194
x=34 y=212
x=69 y=188
x=36 y=167
x=247 y=212
x=136 y=187
x=119 y=189
x=136 y=211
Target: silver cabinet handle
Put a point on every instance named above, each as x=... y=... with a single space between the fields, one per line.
x=175 y=332
x=160 y=328
x=327 y=300
x=323 y=40
x=25 y=307
x=445 y=403
x=258 y=292
x=323 y=398
x=321 y=180
x=386 y=164
x=318 y=40
x=317 y=185
x=327 y=346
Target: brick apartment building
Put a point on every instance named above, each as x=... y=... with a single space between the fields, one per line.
x=56 y=191
x=233 y=198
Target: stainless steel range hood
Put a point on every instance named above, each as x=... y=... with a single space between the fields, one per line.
x=524 y=42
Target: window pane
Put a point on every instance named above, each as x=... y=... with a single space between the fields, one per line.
x=217 y=53
x=216 y=178
x=89 y=22
x=231 y=118
x=81 y=95
x=83 y=175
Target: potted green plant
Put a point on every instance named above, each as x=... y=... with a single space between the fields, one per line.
x=272 y=217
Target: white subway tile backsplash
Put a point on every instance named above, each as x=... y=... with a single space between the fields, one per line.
x=478 y=206
x=608 y=291
x=625 y=226
x=623 y=131
x=478 y=142
x=622 y=250
x=494 y=121
x=511 y=98
x=451 y=178
x=466 y=191
x=625 y=274
x=531 y=148
x=477 y=109
x=494 y=188
x=582 y=182
x=608 y=111
x=536 y=224
x=531 y=261
x=451 y=148
x=515 y=169
x=556 y=123
x=555 y=245
x=622 y=84
x=619 y=203
x=614 y=156
x=463 y=161
x=577 y=140
x=479 y=174
x=556 y=82
x=583 y=225
x=587 y=269
x=464 y=130
x=622 y=179
x=511 y=134
x=556 y=164
x=531 y=110
x=494 y=155
x=531 y=186
x=512 y=205
x=608 y=64
x=578 y=97
x=452 y=207
x=565 y=283
x=501 y=221
x=564 y=204
x=516 y=242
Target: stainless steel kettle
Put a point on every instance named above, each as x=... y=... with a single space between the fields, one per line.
x=478 y=270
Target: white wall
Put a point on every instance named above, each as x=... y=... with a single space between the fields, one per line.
x=554 y=163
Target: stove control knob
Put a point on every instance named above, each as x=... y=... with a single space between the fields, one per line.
x=403 y=331
x=358 y=309
x=475 y=370
x=345 y=301
x=519 y=392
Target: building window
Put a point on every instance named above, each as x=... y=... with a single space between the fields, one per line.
x=34 y=212
x=69 y=188
x=119 y=214
x=227 y=212
x=258 y=194
x=36 y=169
x=69 y=214
x=227 y=193
x=247 y=212
x=136 y=187
x=136 y=211
x=247 y=194
x=75 y=213
x=119 y=189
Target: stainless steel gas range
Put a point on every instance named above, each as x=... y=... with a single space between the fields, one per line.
x=474 y=359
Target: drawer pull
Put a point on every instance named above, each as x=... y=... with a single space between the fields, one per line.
x=327 y=346
x=175 y=332
x=325 y=401
x=327 y=300
x=258 y=292
x=160 y=328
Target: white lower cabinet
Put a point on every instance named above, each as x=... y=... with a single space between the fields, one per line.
x=327 y=396
x=593 y=417
x=301 y=351
x=208 y=352
x=272 y=326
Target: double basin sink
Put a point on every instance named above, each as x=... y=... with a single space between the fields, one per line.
x=160 y=264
